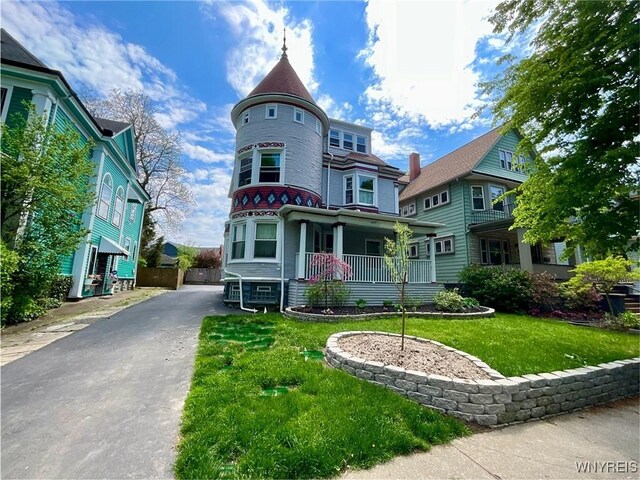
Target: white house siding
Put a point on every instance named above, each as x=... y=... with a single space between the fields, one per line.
x=303 y=152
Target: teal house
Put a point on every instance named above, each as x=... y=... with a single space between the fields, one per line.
x=106 y=262
x=461 y=190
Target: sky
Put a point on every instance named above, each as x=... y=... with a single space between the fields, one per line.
x=408 y=69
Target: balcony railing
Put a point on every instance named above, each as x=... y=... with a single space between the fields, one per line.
x=498 y=212
x=367 y=268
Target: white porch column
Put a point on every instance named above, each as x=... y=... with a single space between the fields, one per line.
x=338 y=237
x=432 y=257
x=524 y=249
x=302 y=254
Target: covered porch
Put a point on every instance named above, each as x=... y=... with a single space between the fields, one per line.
x=357 y=238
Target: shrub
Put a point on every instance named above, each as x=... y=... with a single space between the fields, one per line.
x=26 y=308
x=545 y=292
x=500 y=287
x=9 y=260
x=337 y=294
x=583 y=298
x=623 y=321
x=470 y=303
x=314 y=294
x=387 y=303
x=361 y=303
x=448 y=301
x=413 y=303
x=60 y=287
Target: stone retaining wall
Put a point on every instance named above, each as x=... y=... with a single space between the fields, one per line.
x=315 y=317
x=500 y=400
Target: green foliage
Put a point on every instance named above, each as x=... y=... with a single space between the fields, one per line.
x=46 y=188
x=334 y=293
x=60 y=287
x=396 y=258
x=142 y=262
x=449 y=301
x=154 y=253
x=575 y=99
x=503 y=288
x=9 y=261
x=629 y=320
x=470 y=303
x=604 y=274
x=314 y=294
x=186 y=256
x=387 y=303
x=361 y=303
x=413 y=303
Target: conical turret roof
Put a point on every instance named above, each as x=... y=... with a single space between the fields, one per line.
x=282 y=79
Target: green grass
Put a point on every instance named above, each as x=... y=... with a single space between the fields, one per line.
x=234 y=425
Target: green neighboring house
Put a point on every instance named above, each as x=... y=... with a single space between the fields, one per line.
x=459 y=190
x=115 y=221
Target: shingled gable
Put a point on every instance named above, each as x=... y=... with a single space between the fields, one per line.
x=456 y=164
x=282 y=79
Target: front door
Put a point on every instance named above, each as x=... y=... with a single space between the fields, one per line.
x=103 y=261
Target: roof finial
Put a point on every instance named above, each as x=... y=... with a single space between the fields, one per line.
x=284 y=43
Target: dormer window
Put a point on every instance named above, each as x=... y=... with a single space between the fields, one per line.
x=334 y=138
x=347 y=142
x=361 y=144
x=298 y=115
x=272 y=111
x=509 y=162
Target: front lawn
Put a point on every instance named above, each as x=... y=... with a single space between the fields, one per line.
x=236 y=423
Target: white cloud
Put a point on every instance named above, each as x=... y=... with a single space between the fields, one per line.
x=92 y=56
x=203 y=154
x=258 y=29
x=333 y=109
x=420 y=53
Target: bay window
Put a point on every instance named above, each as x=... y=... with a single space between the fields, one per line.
x=266 y=240
x=269 y=167
x=244 y=176
x=497 y=192
x=477 y=197
x=238 y=240
x=366 y=189
x=348 y=189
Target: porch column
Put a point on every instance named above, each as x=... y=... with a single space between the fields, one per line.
x=432 y=257
x=524 y=249
x=302 y=253
x=578 y=253
x=338 y=237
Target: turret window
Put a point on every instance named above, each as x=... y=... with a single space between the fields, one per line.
x=244 y=177
x=245 y=117
x=238 y=241
x=269 y=167
x=272 y=111
x=298 y=115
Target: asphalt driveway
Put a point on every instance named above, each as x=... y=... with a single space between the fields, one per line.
x=106 y=401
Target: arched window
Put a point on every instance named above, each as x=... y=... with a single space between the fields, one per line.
x=119 y=207
x=106 y=190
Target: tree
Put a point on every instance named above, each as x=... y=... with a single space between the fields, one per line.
x=46 y=187
x=575 y=99
x=396 y=258
x=208 y=259
x=158 y=153
x=605 y=274
x=154 y=253
x=330 y=272
x=186 y=256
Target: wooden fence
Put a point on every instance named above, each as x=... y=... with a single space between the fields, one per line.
x=202 y=276
x=159 y=277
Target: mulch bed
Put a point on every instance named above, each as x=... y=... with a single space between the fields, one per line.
x=375 y=309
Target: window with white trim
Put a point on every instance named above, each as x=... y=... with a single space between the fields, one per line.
x=239 y=233
x=494 y=251
x=93 y=255
x=440 y=198
x=497 y=192
x=127 y=247
x=245 y=117
x=318 y=127
x=271 y=111
x=404 y=211
x=269 y=167
x=361 y=144
x=509 y=161
x=366 y=190
x=413 y=250
x=118 y=210
x=3 y=98
x=373 y=247
x=244 y=173
x=134 y=251
x=106 y=191
x=477 y=197
x=411 y=209
x=347 y=141
x=334 y=138
x=348 y=189
x=298 y=115
x=132 y=212
x=442 y=245
x=266 y=240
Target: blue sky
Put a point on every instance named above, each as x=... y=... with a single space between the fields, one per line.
x=407 y=69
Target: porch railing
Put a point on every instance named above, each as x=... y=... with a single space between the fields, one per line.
x=367 y=268
x=493 y=214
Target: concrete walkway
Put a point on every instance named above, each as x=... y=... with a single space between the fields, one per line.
x=566 y=446
x=105 y=401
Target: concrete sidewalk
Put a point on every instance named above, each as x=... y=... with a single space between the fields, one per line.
x=565 y=446
x=16 y=341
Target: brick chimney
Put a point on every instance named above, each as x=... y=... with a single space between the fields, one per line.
x=414 y=166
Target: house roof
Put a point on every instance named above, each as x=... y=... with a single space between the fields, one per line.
x=282 y=79
x=12 y=50
x=456 y=164
x=367 y=158
x=114 y=126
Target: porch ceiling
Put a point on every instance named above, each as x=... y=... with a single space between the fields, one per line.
x=355 y=218
x=502 y=224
